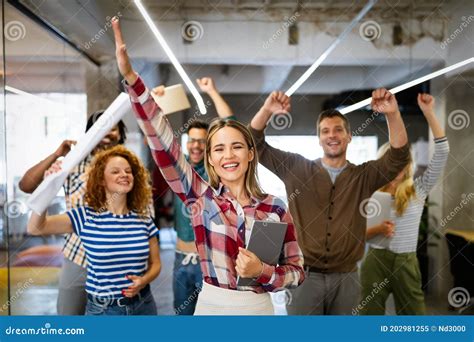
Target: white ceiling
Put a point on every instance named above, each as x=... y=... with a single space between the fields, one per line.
x=244 y=44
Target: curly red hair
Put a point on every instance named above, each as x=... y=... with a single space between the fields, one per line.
x=138 y=198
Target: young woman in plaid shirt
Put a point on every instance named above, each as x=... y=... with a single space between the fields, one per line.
x=222 y=209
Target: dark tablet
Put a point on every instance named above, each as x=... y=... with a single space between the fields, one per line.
x=266 y=241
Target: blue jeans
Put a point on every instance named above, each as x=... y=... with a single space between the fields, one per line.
x=145 y=306
x=187 y=283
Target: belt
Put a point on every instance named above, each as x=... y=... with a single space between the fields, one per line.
x=121 y=302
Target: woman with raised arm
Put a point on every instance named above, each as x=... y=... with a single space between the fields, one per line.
x=395 y=269
x=119 y=237
x=223 y=209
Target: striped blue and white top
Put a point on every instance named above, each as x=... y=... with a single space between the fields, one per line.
x=405 y=238
x=115 y=245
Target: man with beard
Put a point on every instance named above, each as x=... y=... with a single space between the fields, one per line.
x=187 y=275
x=72 y=295
x=329 y=209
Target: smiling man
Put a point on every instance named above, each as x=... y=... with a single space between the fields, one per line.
x=327 y=211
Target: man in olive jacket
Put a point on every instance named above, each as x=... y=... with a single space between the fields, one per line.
x=328 y=208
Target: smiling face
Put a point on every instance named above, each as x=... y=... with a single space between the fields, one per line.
x=118 y=176
x=196 y=144
x=333 y=137
x=230 y=155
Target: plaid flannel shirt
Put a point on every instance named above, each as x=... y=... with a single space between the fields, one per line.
x=74 y=190
x=217 y=218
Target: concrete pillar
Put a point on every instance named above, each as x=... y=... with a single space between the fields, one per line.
x=454 y=102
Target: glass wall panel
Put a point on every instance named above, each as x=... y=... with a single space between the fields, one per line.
x=44 y=103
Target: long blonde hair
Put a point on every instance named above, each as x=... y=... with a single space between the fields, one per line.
x=405 y=191
x=251 y=180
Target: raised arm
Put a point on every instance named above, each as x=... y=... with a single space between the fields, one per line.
x=206 y=84
x=277 y=161
x=49 y=225
x=438 y=161
x=165 y=148
x=426 y=103
x=381 y=171
x=34 y=176
x=385 y=102
x=277 y=102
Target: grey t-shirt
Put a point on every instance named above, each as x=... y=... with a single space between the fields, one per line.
x=333 y=171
